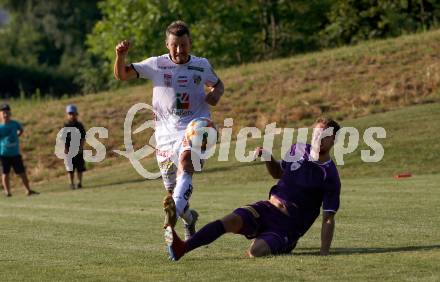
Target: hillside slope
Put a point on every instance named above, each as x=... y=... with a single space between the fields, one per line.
x=345 y=83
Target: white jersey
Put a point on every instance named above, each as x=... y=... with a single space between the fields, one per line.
x=178 y=93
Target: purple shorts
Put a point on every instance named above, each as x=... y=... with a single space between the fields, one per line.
x=262 y=220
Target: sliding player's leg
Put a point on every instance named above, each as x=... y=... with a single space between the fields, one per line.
x=261 y=221
x=245 y=221
x=277 y=233
x=231 y=223
x=274 y=242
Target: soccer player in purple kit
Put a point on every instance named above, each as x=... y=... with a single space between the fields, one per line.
x=275 y=225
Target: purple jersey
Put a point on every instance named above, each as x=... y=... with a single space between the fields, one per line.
x=307 y=184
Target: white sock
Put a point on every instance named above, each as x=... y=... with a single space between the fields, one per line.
x=182 y=192
x=187 y=216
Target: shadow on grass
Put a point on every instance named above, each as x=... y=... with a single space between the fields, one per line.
x=65 y=187
x=116 y=183
x=354 y=251
x=314 y=252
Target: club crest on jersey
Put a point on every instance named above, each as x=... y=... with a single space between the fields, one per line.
x=197 y=79
x=167 y=79
x=182 y=101
x=297 y=165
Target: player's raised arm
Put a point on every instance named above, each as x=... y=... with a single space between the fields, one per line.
x=122 y=71
x=273 y=166
x=327 y=230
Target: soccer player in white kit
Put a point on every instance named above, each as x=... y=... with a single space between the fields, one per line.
x=179 y=81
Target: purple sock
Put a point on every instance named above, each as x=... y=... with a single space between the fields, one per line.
x=208 y=234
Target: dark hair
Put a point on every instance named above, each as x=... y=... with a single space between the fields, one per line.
x=328 y=122
x=5 y=107
x=177 y=28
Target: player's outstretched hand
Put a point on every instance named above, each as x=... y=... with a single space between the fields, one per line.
x=263 y=154
x=122 y=48
x=258 y=153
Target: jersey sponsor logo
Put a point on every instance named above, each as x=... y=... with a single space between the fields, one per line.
x=197 y=79
x=196 y=68
x=167 y=79
x=182 y=113
x=166 y=67
x=182 y=101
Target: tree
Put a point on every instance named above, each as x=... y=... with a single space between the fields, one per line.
x=227 y=32
x=356 y=20
x=48 y=35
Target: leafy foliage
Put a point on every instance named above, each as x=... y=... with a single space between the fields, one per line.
x=77 y=38
x=43 y=35
x=356 y=20
x=227 y=32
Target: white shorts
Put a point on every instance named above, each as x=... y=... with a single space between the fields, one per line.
x=167 y=156
x=168 y=151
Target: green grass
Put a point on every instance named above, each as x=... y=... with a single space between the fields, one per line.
x=411 y=143
x=387 y=229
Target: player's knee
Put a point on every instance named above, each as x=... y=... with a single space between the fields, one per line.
x=256 y=253
x=259 y=248
x=232 y=223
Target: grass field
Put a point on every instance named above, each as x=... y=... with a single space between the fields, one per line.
x=386 y=229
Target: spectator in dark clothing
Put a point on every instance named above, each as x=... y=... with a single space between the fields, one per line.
x=78 y=163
